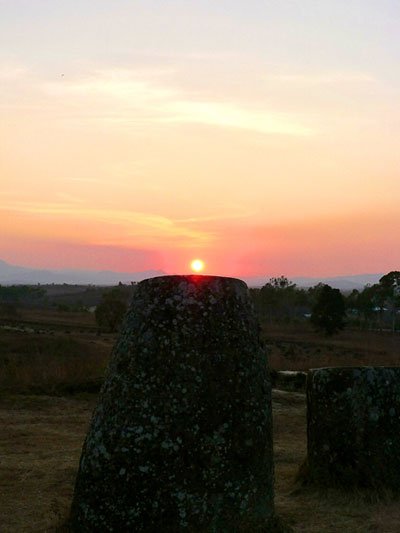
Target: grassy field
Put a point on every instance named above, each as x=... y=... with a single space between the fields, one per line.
x=46 y=351
x=298 y=347
x=48 y=363
x=43 y=319
x=50 y=351
x=41 y=444
x=51 y=362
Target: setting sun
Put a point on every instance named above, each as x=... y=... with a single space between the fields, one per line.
x=197 y=265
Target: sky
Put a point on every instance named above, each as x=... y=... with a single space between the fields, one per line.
x=260 y=136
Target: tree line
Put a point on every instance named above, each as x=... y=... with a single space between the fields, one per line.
x=374 y=307
x=279 y=300
x=282 y=301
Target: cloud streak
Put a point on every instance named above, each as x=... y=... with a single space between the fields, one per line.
x=10 y=72
x=127 y=227
x=232 y=116
x=327 y=78
x=123 y=95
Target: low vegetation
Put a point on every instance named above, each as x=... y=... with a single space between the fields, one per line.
x=300 y=347
x=376 y=307
x=52 y=362
x=41 y=446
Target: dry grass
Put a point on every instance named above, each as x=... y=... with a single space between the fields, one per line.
x=41 y=444
x=311 y=511
x=41 y=436
x=51 y=319
x=49 y=363
x=300 y=348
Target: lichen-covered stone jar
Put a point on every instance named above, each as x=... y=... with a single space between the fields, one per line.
x=181 y=437
x=353 y=418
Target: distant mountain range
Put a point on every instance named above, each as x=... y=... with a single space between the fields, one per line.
x=17 y=275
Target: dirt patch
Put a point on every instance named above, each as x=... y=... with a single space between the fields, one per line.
x=41 y=440
x=41 y=444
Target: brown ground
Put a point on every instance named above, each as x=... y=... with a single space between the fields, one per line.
x=41 y=436
x=41 y=441
x=298 y=347
x=50 y=319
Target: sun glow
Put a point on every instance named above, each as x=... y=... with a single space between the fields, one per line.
x=197 y=265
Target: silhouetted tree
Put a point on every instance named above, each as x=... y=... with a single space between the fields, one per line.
x=329 y=310
x=280 y=300
x=281 y=282
x=111 y=310
x=390 y=288
x=391 y=280
x=365 y=303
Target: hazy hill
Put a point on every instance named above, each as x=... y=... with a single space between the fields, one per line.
x=16 y=275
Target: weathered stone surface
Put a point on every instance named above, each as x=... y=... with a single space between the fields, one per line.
x=354 y=427
x=293 y=380
x=181 y=437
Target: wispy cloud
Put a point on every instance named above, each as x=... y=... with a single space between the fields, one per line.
x=124 y=95
x=139 y=185
x=117 y=83
x=233 y=116
x=129 y=226
x=86 y=180
x=324 y=78
x=237 y=215
x=10 y=72
x=69 y=198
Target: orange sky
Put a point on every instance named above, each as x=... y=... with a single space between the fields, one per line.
x=263 y=141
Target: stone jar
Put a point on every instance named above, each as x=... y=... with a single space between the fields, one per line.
x=181 y=437
x=353 y=418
